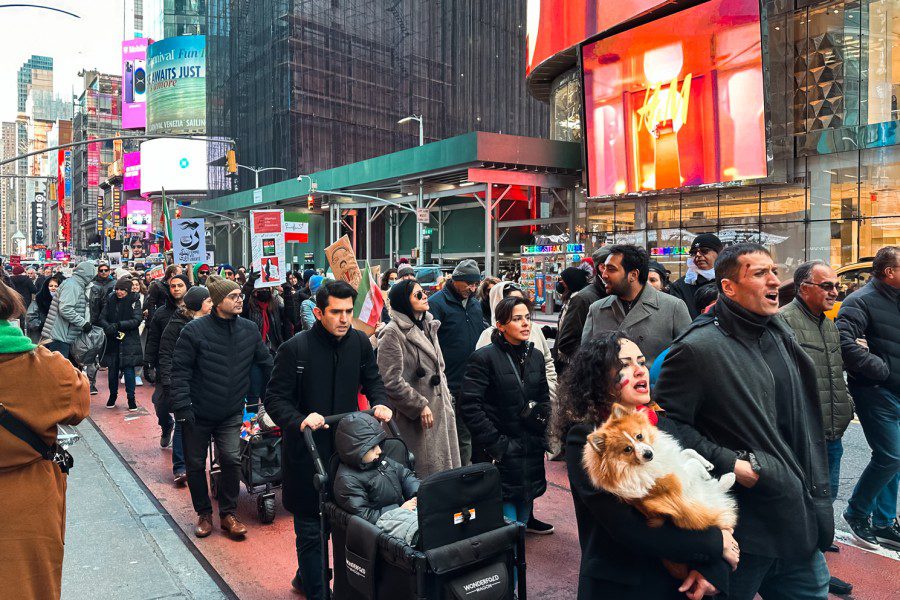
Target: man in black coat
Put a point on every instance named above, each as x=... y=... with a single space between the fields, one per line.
x=740 y=390
x=158 y=291
x=703 y=253
x=120 y=319
x=568 y=338
x=178 y=287
x=869 y=325
x=319 y=372
x=210 y=377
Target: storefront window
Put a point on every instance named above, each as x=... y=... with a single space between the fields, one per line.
x=835 y=242
x=739 y=207
x=881 y=42
x=787 y=243
x=600 y=217
x=783 y=204
x=700 y=212
x=880 y=187
x=875 y=234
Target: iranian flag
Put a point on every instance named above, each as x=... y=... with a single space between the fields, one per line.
x=166 y=221
x=295 y=231
x=369 y=302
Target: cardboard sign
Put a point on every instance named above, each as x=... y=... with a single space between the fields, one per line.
x=343 y=263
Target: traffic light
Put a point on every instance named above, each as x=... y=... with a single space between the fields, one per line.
x=310 y=202
x=177 y=213
x=232 y=161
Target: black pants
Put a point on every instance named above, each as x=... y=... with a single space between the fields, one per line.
x=309 y=556
x=226 y=435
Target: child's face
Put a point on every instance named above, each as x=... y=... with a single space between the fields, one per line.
x=372 y=455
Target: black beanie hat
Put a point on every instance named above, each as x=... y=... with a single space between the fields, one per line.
x=707 y=240
x=124 y=283
x=399 y=297
x=575 y=278
x=183 y=278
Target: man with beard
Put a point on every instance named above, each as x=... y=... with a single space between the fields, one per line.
x=704 y=250
x=648 y=317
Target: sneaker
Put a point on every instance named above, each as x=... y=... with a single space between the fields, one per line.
x=138 y=380
x=862 y=532
x=296 y=584
x=166 y=438
x=122 y=380
x=94 y=391
x=889 y=536
x=538 y=527
x=839 y=586
x=180 y=479
x=111 y=403
x=132 y=405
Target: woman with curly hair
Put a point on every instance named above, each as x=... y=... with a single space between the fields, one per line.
x=621 y=555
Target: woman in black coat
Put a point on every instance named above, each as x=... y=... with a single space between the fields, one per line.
x=621 y=555
x=120 y=319
x=505 y=402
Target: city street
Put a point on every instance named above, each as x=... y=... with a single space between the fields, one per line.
x=109 y=507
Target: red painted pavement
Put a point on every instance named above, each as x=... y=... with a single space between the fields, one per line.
x=263 y=564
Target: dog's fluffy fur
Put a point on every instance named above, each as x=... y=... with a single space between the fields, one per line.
x=647 y=468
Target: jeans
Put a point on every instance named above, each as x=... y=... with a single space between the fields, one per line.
x=226 y=436
x=519 y=512
x=257 y=391
x=61 y=347
x=835 y=452
x=778 y=579
x=309 y=556
x=463 y=435
x=165 y=420
x=875 y=493
x=112 y=378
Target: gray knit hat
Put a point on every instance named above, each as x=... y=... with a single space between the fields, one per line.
x=219 y=288
x=467 y=271
x=195 y=296
x=406 y=270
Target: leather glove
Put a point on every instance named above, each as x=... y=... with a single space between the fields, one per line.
x=497 y=450
x=149 y=375
x=185 y=416
x=254 y=275
x=86 y=328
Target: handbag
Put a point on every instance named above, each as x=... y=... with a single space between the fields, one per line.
x=88 y=347
x=55 y=453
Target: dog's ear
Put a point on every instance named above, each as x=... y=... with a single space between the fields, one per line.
x=618 y=411
x=597 y=442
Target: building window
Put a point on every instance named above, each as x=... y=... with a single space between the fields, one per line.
x=565 y=107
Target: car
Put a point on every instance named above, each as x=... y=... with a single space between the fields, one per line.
x=429 y=276
x=851 y=277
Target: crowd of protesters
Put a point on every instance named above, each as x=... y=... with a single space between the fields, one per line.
x=759 y=386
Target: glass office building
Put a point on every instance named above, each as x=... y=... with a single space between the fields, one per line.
x=831 y=73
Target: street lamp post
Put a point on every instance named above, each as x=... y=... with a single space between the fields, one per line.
x=420 y=227
x=257 y=171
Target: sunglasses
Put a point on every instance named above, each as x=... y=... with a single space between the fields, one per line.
x=419 y=295
x=827 y=286
x=701 y=251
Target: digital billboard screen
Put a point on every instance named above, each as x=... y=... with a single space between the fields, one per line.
x=176 y=75
x=131 y=180
x=137 y=216
x=134 y=83
x=176 y=165
x=676 y=102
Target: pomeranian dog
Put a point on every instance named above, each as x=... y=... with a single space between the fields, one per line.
x=647 y=468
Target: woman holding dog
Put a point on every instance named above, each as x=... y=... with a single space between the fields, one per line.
x=621 y=555
x=505 y=402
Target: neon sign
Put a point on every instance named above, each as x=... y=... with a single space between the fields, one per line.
x=558 y=249
x=670 y=251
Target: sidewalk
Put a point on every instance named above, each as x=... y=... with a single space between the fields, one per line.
x=119 y=542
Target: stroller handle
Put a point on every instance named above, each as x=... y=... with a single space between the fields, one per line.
x=331 y=420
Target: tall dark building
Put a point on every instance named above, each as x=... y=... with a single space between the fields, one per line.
x=313 y=84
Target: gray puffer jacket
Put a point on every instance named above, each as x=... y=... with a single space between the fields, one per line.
x=368 y=490
x=69 y=310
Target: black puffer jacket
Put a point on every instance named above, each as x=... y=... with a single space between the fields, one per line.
x=97 y=294
x=872 y=312
x=167 y=347
x=121 y=315
x=211 y=366
x=491 y=402
x=368 y=490
x=155 y=329
x=688 y=292
x=25 y=287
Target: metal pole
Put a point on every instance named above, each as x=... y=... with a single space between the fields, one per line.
x=368 y=232
x=488 y=230
x=422 y=130
x=256 y=175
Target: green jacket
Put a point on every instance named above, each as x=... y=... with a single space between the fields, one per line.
x=821 y=341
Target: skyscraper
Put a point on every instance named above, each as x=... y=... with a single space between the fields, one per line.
x=7 y=187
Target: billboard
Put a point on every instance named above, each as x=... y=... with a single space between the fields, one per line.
x=176 y=90
x=38 y=214
x=676 y=102
x=138 y=216
x=131 y=162
x=174 y=165
x=557 y=25
x=134 y=83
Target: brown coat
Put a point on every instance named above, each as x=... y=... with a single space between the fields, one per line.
x=402 y=348
x=42 y=389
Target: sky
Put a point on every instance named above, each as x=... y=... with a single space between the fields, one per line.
x=91 y=42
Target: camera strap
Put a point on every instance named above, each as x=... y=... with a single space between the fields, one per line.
x=54 y=453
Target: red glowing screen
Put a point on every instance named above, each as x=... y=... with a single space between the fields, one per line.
x=676 y=102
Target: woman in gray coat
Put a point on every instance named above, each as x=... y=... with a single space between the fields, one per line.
x=412 y=368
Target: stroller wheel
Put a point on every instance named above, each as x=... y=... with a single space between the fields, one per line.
x=265 y=508
x=214 y=485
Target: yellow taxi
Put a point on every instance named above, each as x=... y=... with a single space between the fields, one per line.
x=850 y=278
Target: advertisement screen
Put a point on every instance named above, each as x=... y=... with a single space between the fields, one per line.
x=137 y=216
x=131 y=162
x=176 y=101
x=676 y=102
x=174 y=165
x=556 y=25
x=134 y=83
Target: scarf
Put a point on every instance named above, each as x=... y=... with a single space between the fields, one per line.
x=264 y=309
x=12 y=340
x=690 y=277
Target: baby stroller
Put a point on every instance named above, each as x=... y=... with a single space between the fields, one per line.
x=466 y=549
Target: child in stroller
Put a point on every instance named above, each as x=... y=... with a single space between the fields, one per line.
x=376 y=488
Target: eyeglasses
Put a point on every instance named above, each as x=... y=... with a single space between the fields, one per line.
x=419 y=295
x=701 y=251
x=826 y=286
x=235 y=297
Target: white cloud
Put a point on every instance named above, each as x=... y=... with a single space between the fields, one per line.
x=91 y=42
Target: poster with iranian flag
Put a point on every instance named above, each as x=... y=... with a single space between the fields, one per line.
x=296 y=228
x=267 y=246
x=369 y=302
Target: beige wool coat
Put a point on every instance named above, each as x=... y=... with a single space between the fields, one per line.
x=402 y=348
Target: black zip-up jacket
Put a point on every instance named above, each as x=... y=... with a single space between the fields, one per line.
x=568 y=338
x=211 y=366
x=25 y=287
x=98 y=293
x=317 y=372
x=721 y=397
x=872 y=312
x=167 y=343
x=154 y=330
x=368 y=490
x=688 y=292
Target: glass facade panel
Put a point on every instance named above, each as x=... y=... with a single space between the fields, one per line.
x=700 y=212
x=787 y=244
x=782 y=204
x=739 y=207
